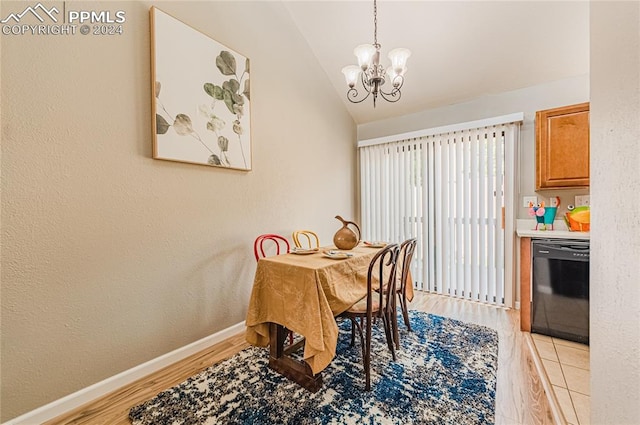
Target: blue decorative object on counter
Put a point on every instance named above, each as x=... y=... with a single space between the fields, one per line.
x=549 y=216
x=544 y=215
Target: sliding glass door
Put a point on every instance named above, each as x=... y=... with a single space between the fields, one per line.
x=449 y=190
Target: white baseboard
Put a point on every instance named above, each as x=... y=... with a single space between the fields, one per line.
x=99 y=389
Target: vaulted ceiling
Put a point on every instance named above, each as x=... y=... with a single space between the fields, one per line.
x=461 y=50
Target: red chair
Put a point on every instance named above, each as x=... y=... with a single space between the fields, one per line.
x=265 y=244
x=264 y=241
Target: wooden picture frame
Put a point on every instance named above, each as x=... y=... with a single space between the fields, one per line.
x=201 y=100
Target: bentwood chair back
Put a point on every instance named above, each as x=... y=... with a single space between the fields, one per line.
x=379 y=303
x=306 y=239
x=407 y=248
x=268 y=243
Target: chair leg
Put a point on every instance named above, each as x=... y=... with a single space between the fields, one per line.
x=393 y=316
x=362 y=340
x=396 y=332
x=388 y=331
x=405 y=311
x=354 y=325
x=367 y=358
x=353 y=331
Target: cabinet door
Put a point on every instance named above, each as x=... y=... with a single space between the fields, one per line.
x=562 y=147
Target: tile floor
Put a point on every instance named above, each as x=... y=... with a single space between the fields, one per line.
x=566 y=364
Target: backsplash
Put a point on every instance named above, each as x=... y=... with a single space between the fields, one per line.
x=567 y=197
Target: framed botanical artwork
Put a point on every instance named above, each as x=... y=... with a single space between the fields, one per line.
x=201 y=102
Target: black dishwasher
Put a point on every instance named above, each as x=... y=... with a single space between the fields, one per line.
x=560 y=293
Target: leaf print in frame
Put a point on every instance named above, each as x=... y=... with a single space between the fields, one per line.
x=201 y=102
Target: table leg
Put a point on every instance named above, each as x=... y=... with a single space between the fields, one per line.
x=296 y=370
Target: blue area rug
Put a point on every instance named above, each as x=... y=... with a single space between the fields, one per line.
x=445 y=373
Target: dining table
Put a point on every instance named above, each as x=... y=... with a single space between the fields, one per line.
x=303 y=292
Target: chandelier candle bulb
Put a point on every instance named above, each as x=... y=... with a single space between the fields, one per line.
x=351 y=74
x=398 y=58
x=365 y=54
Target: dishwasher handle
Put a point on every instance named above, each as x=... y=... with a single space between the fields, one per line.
x=566 y=251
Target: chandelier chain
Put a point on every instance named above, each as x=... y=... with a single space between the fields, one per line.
x=375 y=23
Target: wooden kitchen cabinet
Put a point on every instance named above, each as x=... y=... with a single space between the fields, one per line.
x=525 y=284
x=562 y=147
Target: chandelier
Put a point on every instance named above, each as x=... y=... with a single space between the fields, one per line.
x=372 y=73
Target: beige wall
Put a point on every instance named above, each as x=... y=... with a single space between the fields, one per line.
x=111 y=258
x=615 y=228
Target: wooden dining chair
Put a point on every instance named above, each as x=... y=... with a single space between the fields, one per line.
x=312 y=240
x=261 y=247
x=377 y=304
x=407 y=248
x=263 y=242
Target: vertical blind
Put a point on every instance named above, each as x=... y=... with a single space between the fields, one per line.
x=449 y=190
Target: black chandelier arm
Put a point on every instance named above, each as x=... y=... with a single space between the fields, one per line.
x=352 y=95
x=393 y=96
x=365 y=82
x=373 y=85
x=398 y=82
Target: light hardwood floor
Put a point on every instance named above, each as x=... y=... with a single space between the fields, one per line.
x=520 y=396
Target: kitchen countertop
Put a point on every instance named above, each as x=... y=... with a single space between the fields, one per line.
x=525 y=229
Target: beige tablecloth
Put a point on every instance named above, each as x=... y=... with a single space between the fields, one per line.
x=304 y=293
